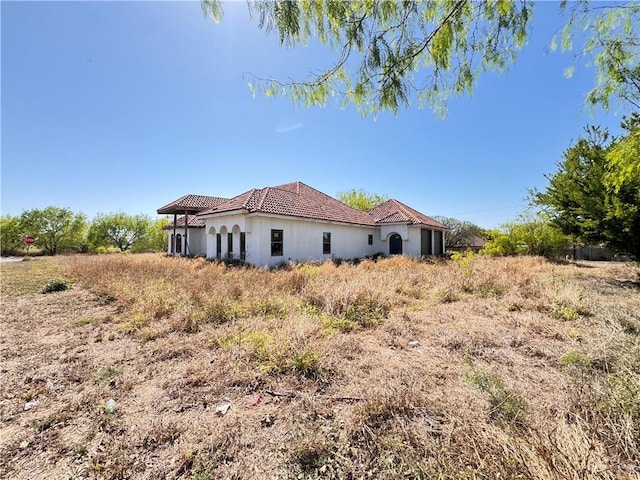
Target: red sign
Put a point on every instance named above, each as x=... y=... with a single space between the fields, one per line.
x=29 y=240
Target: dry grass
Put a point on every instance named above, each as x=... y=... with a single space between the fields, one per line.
x=468 y=369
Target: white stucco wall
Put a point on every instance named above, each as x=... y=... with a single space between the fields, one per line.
x=302 y=240
x=196 y=239
x=197 y=242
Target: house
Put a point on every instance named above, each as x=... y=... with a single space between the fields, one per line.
x=475 y=244
x=295 y=222
x=188 y=226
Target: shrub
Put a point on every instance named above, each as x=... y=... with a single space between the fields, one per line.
x=56 y=285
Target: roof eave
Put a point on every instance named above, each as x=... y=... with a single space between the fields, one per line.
x=225 y=213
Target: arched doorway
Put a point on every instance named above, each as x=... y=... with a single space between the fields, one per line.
x=395 y=244
x=179 y=244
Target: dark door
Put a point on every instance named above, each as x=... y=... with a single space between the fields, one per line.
x=425 y=242
x=438 y=247
x=395 y=244
x=179 y=244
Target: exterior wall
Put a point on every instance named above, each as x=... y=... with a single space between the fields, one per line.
x=302 y=240
x=412 y=239
x=196 y=240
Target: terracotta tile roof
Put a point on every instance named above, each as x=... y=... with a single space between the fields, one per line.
x=194 y=222
x=295 y=200
x=393 y=211
x=191 y=203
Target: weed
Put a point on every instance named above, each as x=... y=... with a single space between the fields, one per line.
x=506 y=405
x=79 y=450
x=44 y=423
x=565 y=312
x=136 y=323
x=339 y=324
x=575 y=360
x=624 y=396
x=83 y=321
x=221 y=311
x=107 y=374
x=56 y=285
x=306 y=362
x=630 y=326
x=268 y=307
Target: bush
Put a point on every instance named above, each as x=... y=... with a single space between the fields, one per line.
x=56 y=285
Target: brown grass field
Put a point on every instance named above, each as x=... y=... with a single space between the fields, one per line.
x=151 y=367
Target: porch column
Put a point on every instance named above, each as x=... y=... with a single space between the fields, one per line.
x=173 y=239
x=186 y=229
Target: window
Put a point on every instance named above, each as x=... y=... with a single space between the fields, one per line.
x=276 y=243
x=230 y=242
x=243 y=245
x=326 y=243
x=218 y=245
x=370 y=240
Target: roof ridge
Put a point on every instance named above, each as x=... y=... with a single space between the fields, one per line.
x=262 y=197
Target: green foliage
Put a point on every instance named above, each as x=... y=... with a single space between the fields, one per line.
x=57 y=229
x=592 y=197
x=119 y=230
x=574 y=359
x=107 y=374
x=612 y=45
x=276 y=354
x=624 y=396
x=11 y=235
x=623 y=156
x=389 y=50
x=56 y=285
x=501 y=243
x=529 y=235
x=565 y=312
x=155 y=240
x=361 y=199
x=461 y=233
x=506 y=404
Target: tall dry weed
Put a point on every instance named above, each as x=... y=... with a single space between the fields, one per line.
x=396 y=368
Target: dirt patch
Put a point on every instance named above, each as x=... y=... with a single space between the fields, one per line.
x=490 y=372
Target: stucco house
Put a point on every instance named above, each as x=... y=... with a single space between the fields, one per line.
x=295 y=222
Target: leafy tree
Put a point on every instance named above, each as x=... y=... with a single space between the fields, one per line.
x=119 y=230
x=529 y=235
x=583 y=203
x=361 y=199
x=389 y=51
x=461 y=232
x=155 y=240
x=624 y=155
x=56 y=229
x=612 y=45
x=11 y=235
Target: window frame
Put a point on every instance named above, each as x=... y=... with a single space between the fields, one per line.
x=277 y=245
x=326 y=243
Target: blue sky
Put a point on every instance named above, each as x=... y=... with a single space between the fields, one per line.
x=126 y=106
